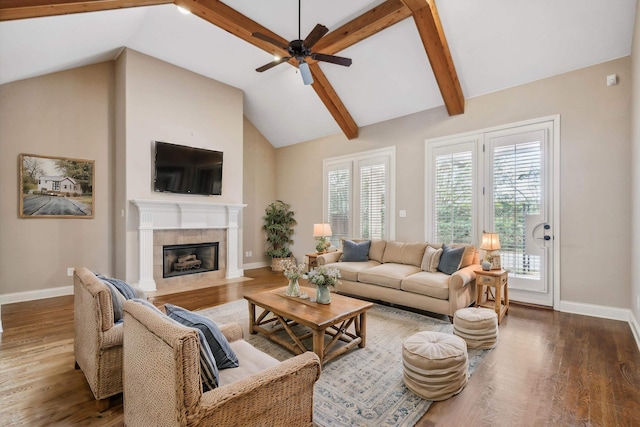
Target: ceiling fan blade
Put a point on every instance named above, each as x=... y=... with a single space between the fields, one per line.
x=332 y=59
x=315 y=35
x=273 y=64
x=268 y=39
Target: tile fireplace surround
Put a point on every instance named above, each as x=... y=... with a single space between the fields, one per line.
x=155 y=215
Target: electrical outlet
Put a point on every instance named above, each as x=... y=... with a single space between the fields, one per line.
x=70 y=271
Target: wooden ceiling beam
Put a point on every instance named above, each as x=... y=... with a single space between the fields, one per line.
x=219 y=14
x=23 y=9
x=333 y=103
x=369 y=23
x=435 y=44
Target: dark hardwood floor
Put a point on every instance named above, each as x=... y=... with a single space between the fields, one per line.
x=549 y=368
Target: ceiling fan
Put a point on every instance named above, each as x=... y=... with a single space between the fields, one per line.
x=301 y=49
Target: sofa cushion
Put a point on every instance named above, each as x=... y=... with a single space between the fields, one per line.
x=412 y=253
x=117 y=302
x=404 y=253
x=389 y=275
x=222 y=352
x=435 y=285
x=450 y=259
x=376 y=251
x=431 y=259
x=355 y=251
x=468 y=255
x=350 y=270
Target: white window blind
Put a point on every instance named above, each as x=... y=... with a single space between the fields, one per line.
x=339 y=201
x=517 y=194
x=453 y=201
x=358 y=198
x=373 y=191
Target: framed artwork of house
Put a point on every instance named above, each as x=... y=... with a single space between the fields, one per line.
x=55 y=187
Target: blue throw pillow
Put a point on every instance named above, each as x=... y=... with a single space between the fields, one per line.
x=355 y=251
x=208 y=367
x=123 y=287
x=116 y=303
x=450 y=259
x=222 y=352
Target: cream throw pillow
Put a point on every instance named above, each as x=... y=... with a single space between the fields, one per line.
x=431 y=259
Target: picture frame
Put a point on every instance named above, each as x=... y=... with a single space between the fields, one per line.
x=55 y=187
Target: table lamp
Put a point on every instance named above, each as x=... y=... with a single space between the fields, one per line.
x=490 y=244
x=321 y=232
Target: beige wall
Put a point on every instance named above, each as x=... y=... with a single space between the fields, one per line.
x=67 y=114
x=595 y=208
x=259 y=190
x=635 y=261
x=167 y=103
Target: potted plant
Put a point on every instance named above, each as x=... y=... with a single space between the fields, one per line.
x=278 y=224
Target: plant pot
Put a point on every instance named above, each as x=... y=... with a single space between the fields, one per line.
x=276 y=263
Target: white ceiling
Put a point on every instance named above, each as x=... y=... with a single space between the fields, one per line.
x=495 y=44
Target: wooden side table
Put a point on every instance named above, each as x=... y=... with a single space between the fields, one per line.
x=499 y=281
x=312 y=260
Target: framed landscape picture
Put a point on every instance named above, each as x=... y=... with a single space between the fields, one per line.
x=55 y=187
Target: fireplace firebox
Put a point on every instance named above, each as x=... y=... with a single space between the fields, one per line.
x=179 y=260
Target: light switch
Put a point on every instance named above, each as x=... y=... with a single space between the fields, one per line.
x=403 y=213
x=612 y=79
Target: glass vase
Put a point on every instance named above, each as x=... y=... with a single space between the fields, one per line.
x=293 y=290
x=323 y=295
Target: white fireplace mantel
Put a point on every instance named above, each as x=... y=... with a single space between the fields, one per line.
x=171 y=215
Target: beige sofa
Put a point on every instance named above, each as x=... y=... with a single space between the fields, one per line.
x=396 y=273
x=162 y=384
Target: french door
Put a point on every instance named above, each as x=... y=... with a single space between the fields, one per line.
x=509 y=189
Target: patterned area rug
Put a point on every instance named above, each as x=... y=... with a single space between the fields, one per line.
x=363 y=387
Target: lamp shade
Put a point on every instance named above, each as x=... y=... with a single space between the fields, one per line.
x=321 y=230
x=490 y=242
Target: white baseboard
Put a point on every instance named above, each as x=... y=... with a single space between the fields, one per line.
x=635 y=328
x=34 y=295
x=594 y=310
x=604 y=312
x=253 y=265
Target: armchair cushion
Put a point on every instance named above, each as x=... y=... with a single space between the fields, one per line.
x=222 y=351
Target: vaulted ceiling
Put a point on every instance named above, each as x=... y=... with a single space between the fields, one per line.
x=408 y=55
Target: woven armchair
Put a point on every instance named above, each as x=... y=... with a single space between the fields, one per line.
x=162 y=383
x=97 y=343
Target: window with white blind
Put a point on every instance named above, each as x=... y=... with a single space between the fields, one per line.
x=357 y=194
x=451 y=191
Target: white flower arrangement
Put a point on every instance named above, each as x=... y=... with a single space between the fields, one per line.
x=323 y=276
x=293 y=271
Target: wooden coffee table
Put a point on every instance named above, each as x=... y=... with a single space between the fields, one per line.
x=326 y=323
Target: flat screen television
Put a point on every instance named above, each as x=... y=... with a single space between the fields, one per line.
x=187 y=170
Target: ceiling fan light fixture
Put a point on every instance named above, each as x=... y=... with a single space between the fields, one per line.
x=305 y=72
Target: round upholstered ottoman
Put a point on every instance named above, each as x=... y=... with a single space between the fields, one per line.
x=435 y=364
x=477 y=326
